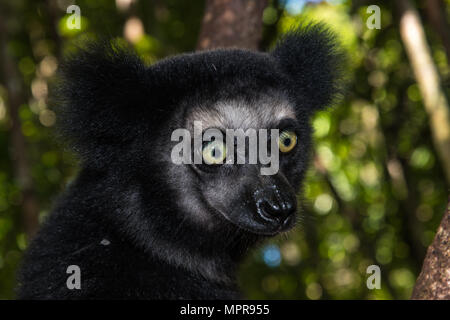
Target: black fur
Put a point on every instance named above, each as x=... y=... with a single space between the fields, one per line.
x=117 y=114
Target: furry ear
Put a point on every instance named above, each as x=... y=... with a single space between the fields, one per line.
x=100 y=97
x=309 y=55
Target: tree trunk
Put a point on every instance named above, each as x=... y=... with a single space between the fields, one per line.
x=434 y=280
x=436 y=17
x=426 y=74
x=18 y=152
x=232 y=23
x=53 y=17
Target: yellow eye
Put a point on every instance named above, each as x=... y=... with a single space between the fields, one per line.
x=214 y=152
x=287 y=141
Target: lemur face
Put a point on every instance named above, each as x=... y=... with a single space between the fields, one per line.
x=227 y=186
x=119 y=115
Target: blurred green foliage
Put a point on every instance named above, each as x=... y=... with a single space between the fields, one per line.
x=375 y=191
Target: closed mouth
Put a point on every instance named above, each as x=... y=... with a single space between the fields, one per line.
x=281 y=226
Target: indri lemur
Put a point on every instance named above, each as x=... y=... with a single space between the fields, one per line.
x=138 y=225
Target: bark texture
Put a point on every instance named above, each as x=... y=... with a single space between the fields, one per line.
x=434 y=280
x=232 y=23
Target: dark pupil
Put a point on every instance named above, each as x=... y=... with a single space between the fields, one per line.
x=287 y=142
x=215 y=153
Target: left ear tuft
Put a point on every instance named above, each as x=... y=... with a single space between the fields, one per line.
x=313 y=61
x=101 y=96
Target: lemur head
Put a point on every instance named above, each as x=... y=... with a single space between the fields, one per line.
x=121 y=114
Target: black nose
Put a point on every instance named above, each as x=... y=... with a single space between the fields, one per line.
x=274 y=206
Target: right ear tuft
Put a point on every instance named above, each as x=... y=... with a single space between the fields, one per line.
x=310 y=56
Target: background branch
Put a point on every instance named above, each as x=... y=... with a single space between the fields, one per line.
x=418 y=51
x=434 y=280
x=18 y=149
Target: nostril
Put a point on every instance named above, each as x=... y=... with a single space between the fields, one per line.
x=277 y=209
x=271 y=208
x=289 y=206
